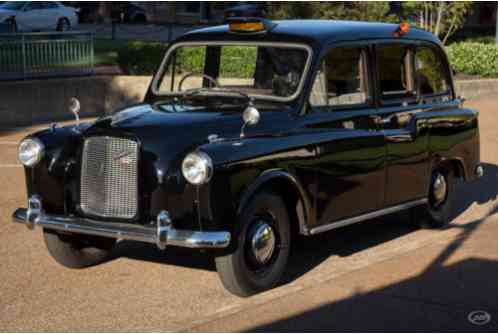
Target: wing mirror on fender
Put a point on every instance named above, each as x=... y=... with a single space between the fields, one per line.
x=74 y=107
x=251 y=116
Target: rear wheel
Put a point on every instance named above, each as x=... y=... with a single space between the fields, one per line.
x=76 y=251
x=63 y=25
x=262 y=252
x=437 y=212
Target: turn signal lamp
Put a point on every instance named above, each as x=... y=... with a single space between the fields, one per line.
x=249 y=25
x=402 y=29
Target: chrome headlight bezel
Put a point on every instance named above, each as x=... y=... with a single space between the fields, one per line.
x=30 y=152
x=197 y=168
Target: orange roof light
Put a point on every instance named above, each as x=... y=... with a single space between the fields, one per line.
x=402 y=29
x=255 y=26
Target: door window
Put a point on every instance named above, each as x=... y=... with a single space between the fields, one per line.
x=394 y=69
x=36 y=5
x=430 y=73
x=341 y=80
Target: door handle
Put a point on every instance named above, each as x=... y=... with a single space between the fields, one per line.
x=379 y=120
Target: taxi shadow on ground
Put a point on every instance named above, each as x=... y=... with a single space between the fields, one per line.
x=308 y=253
x=460 y=296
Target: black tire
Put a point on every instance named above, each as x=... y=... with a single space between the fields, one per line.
x=436 y=214
x=13 y=26
x=63 y=25
x=74 y=251
x=237 y=272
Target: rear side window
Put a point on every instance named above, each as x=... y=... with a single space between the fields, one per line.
x=341 y=80
x=430 y=73
x=395 y=72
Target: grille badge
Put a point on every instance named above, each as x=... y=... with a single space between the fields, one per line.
x=123 y=158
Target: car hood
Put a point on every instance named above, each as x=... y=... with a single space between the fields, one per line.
x=167 y=133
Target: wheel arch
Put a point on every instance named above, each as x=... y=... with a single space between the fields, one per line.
x=285 y=184
x=455 y=164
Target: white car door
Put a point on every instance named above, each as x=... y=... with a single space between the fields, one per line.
x=30 y=18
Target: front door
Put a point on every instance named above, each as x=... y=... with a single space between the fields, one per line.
x=350 y=149
x=32 y=17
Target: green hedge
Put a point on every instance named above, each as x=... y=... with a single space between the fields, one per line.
x=141 y=58
x=474 y=58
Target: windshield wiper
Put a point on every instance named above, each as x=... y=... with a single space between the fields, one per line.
x=215 y=91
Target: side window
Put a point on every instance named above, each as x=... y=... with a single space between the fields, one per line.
x=35 y=5
x=430 y=74
x=341 y=80
x=394 y=69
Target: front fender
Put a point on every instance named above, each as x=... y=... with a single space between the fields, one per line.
x=242 y=167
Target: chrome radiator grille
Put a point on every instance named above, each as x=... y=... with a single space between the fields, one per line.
x=109 y=177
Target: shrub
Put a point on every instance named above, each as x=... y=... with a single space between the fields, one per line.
x=474 y=58
x=141 y=58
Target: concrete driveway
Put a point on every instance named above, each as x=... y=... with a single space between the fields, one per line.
x=383 y=274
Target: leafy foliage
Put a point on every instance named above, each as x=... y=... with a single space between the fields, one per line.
x=141 y=58
x=474 y=58
x=344 y=10
x=442 y=18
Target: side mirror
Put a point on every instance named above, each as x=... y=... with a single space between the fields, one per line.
x=74 y=107
x=251 y=116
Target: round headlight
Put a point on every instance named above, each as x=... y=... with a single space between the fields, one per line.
x=30 y=152
x=197 y=168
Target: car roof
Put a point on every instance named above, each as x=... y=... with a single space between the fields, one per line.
x=313 y=32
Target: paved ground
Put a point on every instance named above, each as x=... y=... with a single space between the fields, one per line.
x=381 y=274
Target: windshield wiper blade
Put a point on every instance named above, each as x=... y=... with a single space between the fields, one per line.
x=215 y=91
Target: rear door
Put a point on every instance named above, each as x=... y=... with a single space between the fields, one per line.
x=351 y=152
x=409 y=85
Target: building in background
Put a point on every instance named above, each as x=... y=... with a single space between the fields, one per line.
x=185 y=12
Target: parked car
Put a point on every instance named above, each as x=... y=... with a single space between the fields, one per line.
x=251 y=134
x=250 y=9
x=37 y=16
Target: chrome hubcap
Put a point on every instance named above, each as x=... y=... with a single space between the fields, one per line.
x=263 y=242
x=439 y=189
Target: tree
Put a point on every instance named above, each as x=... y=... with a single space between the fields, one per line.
x=345 y=10
x=442 y=18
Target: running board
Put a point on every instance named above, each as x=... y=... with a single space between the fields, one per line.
x=367 y=216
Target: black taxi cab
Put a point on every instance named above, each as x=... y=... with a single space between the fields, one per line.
x=252 y=133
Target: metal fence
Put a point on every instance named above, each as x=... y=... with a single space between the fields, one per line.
x=35 y=55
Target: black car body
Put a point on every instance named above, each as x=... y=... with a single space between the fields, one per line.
x=376 y=138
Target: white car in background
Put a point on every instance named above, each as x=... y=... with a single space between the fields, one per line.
x=25 y=16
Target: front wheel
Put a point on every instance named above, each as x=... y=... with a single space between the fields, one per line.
x=12 y=25
x=262 y=252
x=75 y=251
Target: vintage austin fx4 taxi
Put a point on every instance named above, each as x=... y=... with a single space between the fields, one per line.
x=251 y=134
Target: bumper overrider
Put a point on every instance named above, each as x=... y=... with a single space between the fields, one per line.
x=162 y=235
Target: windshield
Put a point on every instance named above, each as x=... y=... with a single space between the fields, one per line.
x=13 y=5
x=264 y=71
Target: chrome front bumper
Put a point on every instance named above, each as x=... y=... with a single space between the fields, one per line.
x=162 y=235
